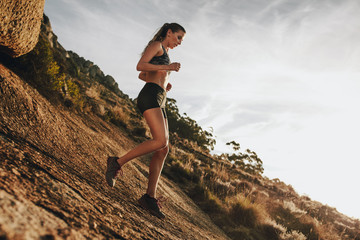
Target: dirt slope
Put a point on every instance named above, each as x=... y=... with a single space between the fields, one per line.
x=52 y=184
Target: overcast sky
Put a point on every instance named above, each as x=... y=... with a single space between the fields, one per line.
x=280 y=77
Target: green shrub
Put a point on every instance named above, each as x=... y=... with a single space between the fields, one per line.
x=36 y=67
x=40 y=70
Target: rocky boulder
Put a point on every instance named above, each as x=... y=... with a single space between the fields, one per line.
x=20 y=25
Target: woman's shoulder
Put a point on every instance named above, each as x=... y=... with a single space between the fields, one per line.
x=154 y=49
x=156 y=44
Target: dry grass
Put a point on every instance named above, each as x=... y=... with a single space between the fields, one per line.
x=293 y=208
x=247 y=206
x=189 y=160
x=121 y=115
x=222 y=189
x=290 y=217
x=243 y=186
x=222 y=172
x=242 y=210
x=93 y=92
x=328 y=232
x=292 y=235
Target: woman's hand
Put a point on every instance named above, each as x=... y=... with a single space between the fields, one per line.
x=174 y=66
x=142 y=76
x=168 y=87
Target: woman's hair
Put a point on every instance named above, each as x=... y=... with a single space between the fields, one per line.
x=161 y=34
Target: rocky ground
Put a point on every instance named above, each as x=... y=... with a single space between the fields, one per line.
x=52 y=183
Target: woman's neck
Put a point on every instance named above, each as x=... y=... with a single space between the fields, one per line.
x=165 y=44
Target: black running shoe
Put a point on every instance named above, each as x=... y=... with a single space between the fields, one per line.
x=151 y=204
x=112 y=170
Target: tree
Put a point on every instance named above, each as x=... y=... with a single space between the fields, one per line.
x=248 y=161
x=188 y=128
x=236 y=146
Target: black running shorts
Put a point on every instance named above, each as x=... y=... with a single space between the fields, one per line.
x=152 y=96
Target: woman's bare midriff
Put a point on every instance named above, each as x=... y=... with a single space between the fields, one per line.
x=159 y=77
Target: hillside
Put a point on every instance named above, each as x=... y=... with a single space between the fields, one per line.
x=61 y=117
x=52 y=183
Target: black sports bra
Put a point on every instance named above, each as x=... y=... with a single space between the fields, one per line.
x=161 y=60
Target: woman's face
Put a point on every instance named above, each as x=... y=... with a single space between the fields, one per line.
x=175 y=38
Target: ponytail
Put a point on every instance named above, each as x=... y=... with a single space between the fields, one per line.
x=161 y=33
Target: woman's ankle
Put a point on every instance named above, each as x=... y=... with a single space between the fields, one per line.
x=119 y=162
x=150 y=194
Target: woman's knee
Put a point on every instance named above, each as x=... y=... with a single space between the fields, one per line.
x=161 y=143
x=164 y=150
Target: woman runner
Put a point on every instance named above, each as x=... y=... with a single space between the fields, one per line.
x=155 y=67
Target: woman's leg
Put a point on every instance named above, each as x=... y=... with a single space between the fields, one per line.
x=156 y=166
x=158 y=129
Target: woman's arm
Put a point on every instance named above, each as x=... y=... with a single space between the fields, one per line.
x=151 y=51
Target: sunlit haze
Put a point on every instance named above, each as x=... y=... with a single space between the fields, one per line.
x=282 y=78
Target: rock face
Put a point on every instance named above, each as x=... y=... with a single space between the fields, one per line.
x=20 y=25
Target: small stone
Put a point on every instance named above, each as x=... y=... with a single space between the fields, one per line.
x=16 y=172
x=21 y=156
x=94 y=225
x=2 y=172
